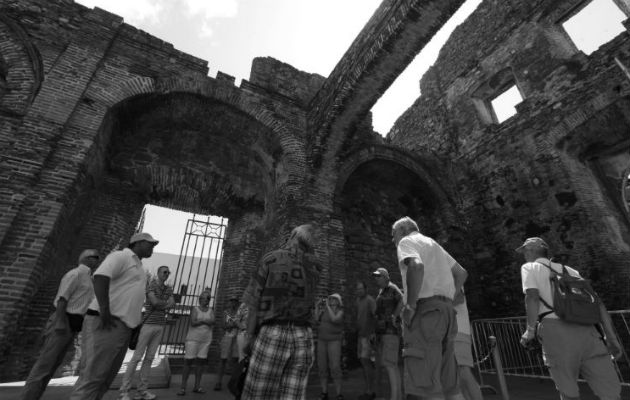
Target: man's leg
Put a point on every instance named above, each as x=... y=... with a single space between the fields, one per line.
x=391 y=344
x=293 y=380
x=561 y=345
x=143 y=342
x=113 y=371
x=154 y=342
x=225 y=353
x=599 y=371
x=469 y=386
x=240 y=343
x=56 y=345
x=364 y=350
x=268 y=360
x=102 y=349
x=423 y=351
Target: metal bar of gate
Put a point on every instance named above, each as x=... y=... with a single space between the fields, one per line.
x=198 y=269
x=517 y=361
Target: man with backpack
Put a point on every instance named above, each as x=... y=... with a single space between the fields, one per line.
x=571 y=323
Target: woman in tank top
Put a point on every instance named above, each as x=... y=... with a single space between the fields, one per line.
x=329 y=314
x=198 y=342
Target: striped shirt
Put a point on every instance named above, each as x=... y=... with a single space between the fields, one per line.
x=76 y=287
x=163 y=293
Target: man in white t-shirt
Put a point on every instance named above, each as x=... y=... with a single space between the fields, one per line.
x=119 y=287
x=73 y=297
x=569 y=349
x=431 y=278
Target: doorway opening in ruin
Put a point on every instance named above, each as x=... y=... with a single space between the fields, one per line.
x=374 y=196
x=191 y=245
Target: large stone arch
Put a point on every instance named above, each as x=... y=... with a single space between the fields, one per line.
x=292 y=145
x=399 y=156
x=375 y=186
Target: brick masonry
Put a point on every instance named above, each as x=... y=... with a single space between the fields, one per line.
x=98 y=119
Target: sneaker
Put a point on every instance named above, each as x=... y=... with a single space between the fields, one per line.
x=124 y=396
x=146 y=395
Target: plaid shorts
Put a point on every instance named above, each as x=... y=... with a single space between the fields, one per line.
x=281 y=359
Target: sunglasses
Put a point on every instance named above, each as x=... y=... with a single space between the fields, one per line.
x=93 y=257
x=166 y=272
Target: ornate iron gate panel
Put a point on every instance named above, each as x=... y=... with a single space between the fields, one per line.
x=198 y=269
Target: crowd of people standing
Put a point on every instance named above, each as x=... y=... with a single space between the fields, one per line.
x=272 y=325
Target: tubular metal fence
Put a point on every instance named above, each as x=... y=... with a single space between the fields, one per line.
x=505 y=334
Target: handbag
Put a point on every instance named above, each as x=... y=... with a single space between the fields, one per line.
x=237 y=380
x=135 y=333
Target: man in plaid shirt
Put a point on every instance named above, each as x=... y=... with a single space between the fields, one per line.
x=280 y=298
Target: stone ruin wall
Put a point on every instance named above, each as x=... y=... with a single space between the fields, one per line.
x=68 y=180
x=554 y=169
x=106 y=131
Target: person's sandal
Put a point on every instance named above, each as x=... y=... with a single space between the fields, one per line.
x=340 y=397
x=323 y=396
x=198 y=390
x=181 y=392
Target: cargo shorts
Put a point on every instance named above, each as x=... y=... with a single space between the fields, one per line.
x=430 y=368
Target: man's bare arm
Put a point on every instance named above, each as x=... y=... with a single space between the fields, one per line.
x=101 y=292
x=415 y=277
x=459 y=277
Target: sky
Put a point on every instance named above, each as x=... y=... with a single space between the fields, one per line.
x=312 y=36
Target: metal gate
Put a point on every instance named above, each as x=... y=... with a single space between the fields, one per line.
x=198 y=269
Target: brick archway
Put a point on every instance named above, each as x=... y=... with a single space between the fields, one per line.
x=292 y=145
x=398 y=156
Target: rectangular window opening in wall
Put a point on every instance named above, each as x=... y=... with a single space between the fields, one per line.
x=597 y=23
x=504 y=105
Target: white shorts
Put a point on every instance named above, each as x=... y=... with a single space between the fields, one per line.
x=195 y=349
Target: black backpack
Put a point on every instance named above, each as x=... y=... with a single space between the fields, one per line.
x=574 y=300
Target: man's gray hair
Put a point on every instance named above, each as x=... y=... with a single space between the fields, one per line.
x=406 y=225
x=87 y=253
x=303 y=235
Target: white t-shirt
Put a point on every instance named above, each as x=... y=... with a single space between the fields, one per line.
x=535 y=275
x=127 y=286
x=438 y=278
x=76 y=287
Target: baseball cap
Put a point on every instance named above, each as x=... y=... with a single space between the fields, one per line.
x=532 y=242
x=138 y=237
x=381 y=272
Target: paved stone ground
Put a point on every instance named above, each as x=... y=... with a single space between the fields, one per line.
x=518 y=388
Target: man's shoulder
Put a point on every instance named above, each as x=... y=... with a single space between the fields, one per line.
x=535 y=265
x=558 y=267
x=74 y=272
x=119 y=255
x=274 y=256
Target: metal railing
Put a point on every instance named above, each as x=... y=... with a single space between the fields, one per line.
x=503 y=334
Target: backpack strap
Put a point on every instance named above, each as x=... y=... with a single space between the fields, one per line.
x=543 y=315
